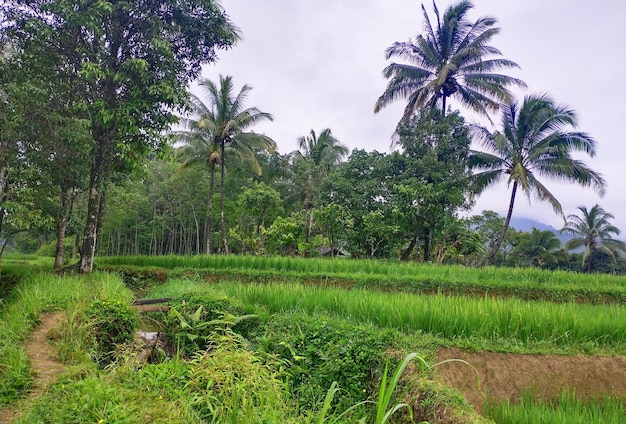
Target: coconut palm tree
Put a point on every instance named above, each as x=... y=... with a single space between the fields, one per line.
x=540 y=248
x=219 y=126
x=201 y=149
x=535 y=143
x=451 y=59
x=593 y=230
x=316 y=156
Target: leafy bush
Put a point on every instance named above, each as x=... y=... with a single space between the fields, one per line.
x=113 y=323
x=323 y=350
x=141 y=280
x=194 y=316
x=49 y=249
x=232 y=384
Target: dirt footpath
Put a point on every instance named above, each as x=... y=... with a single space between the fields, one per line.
x=45 y=367
x=507 y=376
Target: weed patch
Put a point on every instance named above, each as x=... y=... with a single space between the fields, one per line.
x=322 y=350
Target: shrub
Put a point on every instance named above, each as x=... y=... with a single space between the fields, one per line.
x=194 y=316
x=140 y=281
x=49 y=249
x=323 y=350
x=232 y=384
x=113 y=323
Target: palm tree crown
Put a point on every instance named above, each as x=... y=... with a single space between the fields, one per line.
x=449 y=59
x=221 y=127
x=534 y=143
x=314 y=160
x=593 y=230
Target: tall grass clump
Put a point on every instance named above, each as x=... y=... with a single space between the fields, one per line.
x=34 y=294
x=232 y=384
x=567 y=409
x=452 y=317
x=89 y=396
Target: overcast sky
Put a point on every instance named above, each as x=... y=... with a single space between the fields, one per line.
x=318 y=64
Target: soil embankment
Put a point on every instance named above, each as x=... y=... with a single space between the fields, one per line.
x=507 y=376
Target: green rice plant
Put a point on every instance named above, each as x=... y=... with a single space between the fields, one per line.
x=567 y=409
x=451 y=317
x=525 y=283
x=398 y=270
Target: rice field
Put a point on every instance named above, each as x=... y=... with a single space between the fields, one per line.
x=455 y=319
x=525 y=283
x=566 y=410
x=564 y=327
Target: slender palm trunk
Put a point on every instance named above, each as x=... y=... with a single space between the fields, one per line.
x=443 y=107
x=496 y=248
x=222 y=217
x=208 y=229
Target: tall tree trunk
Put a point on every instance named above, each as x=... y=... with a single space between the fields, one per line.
x=101 y=208
x=67 y=201
x=4 y=192
x=409 y=249
x=208 y=228
x=88 y=249
x=197 y=226
x=222 y=216
x=76 y=248
x=496 y=248
x=309 y=224
x=426 y=256
x=96 y=188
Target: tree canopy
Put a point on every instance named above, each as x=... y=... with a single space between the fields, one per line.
x=130 y=64
x=450 y=58
x=536 y=142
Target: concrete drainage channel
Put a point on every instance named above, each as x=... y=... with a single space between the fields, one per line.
x=149 y=332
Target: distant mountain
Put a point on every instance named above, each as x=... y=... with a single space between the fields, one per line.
x=527 y=224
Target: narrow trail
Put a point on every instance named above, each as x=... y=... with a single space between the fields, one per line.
x=44 y=365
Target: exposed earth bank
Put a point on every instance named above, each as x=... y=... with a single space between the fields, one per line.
x=506 y=376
